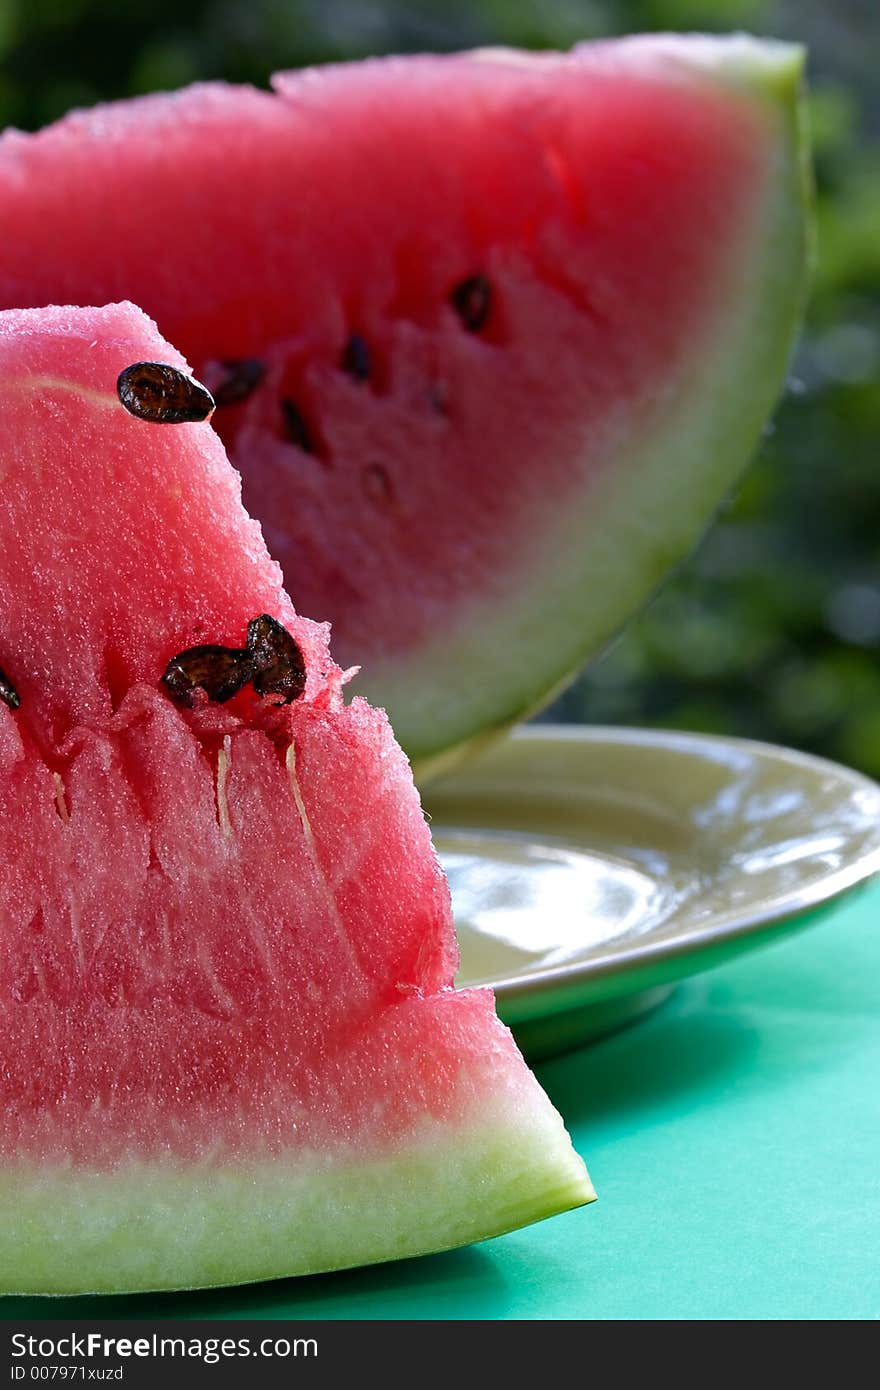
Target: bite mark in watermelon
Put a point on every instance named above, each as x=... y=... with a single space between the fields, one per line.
x=229 y=1046
x=493 y=334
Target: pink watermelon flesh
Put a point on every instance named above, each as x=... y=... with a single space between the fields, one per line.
x=229 y=1047
x=476 y=501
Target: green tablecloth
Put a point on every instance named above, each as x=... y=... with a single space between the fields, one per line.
x=732 y=1137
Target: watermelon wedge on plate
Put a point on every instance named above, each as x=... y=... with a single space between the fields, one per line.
x=229 y=1046
x=492 y=335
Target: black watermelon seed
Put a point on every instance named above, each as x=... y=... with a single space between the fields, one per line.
x=8 y=693
x=219 y=671
x=295 y=428
x=163 y=394
x=242 y=378
x=472 y=300
x=279 y=668
x=356 y=358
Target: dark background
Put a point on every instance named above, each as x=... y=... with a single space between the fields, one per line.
x=773 y=628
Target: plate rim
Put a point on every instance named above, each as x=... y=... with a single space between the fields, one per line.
x=784 y=908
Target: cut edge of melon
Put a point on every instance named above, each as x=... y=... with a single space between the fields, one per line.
x=681 y=469
x=152 y=1226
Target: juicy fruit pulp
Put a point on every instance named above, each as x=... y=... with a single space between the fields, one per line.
x=229 y=1047
x=490 y=335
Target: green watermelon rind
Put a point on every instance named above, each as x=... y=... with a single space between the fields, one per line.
x=148 y=1226
x=653 y=505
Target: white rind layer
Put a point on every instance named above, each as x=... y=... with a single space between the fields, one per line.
x=162 y=1225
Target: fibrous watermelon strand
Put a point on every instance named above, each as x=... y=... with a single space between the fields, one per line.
x=224 y=757
x=342 y=937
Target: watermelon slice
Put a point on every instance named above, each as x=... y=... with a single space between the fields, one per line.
x=491 y=335
x=229 y=1046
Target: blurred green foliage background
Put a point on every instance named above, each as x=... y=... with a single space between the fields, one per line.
x=773 y=629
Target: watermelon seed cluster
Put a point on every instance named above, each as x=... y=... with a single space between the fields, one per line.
x=162 y=394
x=271 y=659
x=471 y=299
